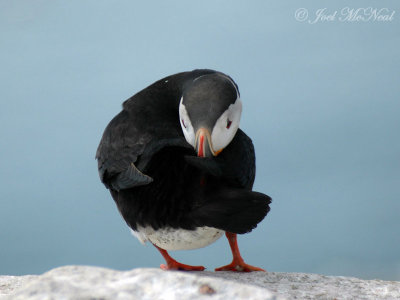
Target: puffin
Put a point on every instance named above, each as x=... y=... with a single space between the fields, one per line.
x=180 y=169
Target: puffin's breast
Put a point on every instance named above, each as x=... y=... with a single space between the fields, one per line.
x=180 y=239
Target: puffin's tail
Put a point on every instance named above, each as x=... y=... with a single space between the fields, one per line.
x=233 y=210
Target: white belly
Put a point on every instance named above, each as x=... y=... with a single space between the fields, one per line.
x=178 y=239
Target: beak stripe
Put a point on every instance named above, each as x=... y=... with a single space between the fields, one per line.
x=201 y=146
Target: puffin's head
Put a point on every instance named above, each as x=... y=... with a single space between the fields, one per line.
x=209 y=112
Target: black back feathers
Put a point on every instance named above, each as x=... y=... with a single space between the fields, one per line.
x=154 y=175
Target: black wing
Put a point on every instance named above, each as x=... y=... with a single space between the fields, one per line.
x=148 y=122
x=236 y=163
x=234 y=208
x=239 y=161
x=118 y=151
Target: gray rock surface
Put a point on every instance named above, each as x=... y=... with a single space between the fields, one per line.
x=83 y=282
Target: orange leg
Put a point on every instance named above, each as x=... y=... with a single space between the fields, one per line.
x=172 y=264
x=237 y=263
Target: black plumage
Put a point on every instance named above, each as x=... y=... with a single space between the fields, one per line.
x=157 y=180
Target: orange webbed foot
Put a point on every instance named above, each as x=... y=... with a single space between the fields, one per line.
x=237 y=264
x=182 y=267
x=239 y=267
x=172 y=264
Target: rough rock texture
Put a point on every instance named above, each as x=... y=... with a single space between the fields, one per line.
x=314 y=286
x=82 y=282
x=8 y=284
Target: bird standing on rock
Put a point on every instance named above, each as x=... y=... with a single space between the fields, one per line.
x=179 y=168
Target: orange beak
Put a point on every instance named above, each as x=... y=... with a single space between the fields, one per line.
x=203 y=143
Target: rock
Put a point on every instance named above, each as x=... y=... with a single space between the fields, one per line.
x=314 y=286
x=8 y=284
x=82 y=282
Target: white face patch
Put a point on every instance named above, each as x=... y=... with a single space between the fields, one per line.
x=186 y=125
x=226 y=126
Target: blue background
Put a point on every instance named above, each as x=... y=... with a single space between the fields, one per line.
x=321 y=102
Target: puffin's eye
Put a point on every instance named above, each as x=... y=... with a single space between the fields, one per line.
x=228 y=123
x=183 y=123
